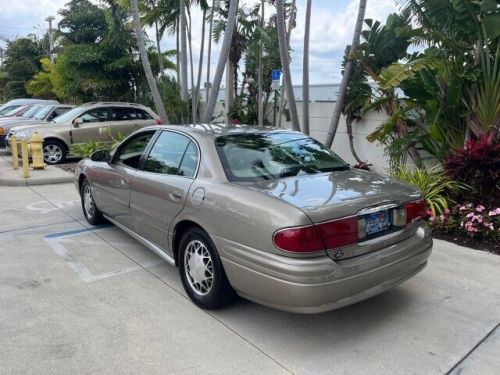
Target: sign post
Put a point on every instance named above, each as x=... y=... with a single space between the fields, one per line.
x=275 y=86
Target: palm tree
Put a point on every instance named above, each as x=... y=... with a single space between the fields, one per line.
x=215 y=4
x=145 y=63
x=346 y=76
x=183 y=50
x=196 y=93
x=285 y=65
x=305 y=70
x=260 y=105
x=226 y=45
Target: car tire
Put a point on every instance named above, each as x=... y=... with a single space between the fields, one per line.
x=54 y=152
x=201 y=271
x=92 y=214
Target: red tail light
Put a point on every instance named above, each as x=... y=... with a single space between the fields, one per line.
x=299 y=240
x=415 y=211
x=313 y=238
x=158 y=121
x=339 y=233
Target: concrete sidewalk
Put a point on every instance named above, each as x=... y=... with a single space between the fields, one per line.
x=80 y=299
x=11 y=177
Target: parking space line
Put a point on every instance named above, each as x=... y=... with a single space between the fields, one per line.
x=76 y=231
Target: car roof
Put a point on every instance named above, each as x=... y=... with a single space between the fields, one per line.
x=216 y=130
x=125 y=104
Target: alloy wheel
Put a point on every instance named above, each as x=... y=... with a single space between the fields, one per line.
x=52 y=153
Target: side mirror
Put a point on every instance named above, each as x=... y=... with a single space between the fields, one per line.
x=77 y=122
x=101 y=155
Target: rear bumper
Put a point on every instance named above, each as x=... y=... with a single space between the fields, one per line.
x=319 y=284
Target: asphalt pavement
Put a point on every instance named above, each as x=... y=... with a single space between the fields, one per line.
x=77 y=299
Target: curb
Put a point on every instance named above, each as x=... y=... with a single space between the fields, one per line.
x=35 y=181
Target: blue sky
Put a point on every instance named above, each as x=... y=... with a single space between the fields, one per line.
x=332 y=26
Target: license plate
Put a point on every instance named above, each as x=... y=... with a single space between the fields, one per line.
x=377 y=222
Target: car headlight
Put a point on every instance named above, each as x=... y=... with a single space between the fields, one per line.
x=2 y=132
x=23 y=134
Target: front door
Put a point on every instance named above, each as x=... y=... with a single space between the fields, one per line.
x=159 y=190
x=112 y=180
x=95 y=126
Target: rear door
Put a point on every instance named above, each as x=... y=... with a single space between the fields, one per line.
x=94 y=128
x=160 y=188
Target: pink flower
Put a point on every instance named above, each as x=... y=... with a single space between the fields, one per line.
x=480 y=208
x=446 y=211
x=441 y=217
x=495 y=212
x=462 y=208
x=469 y=215
x=432 y=219
x=479 y=219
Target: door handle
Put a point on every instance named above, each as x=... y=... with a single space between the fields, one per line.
x=176 y=197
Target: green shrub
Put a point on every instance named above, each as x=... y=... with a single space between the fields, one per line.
x=434 y=185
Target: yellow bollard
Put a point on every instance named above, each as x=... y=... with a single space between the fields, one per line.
x=24 y=155
x=13 y=149
x=37 y=151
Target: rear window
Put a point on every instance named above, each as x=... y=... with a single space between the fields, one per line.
x=252 y=157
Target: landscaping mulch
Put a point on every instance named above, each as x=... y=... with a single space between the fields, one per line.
x=68 y=167
x=491 y=247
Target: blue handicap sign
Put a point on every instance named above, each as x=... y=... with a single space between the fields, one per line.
x=275 y=75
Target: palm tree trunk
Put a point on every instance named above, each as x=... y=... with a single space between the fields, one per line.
x=209 y=52
x=334 y=124
x=305 y=70
x=178 y=56
x=285 y=65
x=183 y=42
x=260 y=115
x=348 y=123
x=200 y=66
x=226 y=44
x=191 y=68
x=283 y=86
x=160 y=57
x=145 y=63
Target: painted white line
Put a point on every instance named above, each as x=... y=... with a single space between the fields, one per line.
x=57 y=245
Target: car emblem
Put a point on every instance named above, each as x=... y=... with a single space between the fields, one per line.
x=338 y=254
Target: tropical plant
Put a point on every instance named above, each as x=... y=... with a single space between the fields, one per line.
x=339 y=104
x=477 y=165
x=434 y=185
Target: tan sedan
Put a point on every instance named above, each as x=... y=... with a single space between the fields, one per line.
x=268 y=214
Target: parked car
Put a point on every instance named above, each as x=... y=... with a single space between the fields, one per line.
x=271 y=215
x=12 y=104
x=100 y=121
x=36 y=115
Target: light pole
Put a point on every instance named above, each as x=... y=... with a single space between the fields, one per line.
x=49 y=19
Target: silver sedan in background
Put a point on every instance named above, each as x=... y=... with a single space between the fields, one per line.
x=268 y=214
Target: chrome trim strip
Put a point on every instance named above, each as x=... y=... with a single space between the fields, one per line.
x=156 y=249
x=371 y=210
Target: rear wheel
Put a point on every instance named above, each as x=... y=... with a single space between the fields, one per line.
x=54 y=152
x=90 y=210
x=201 y=271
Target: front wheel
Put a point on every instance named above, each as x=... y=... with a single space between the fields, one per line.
x=54 y=152
x=201 y=271
x=90 y=210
